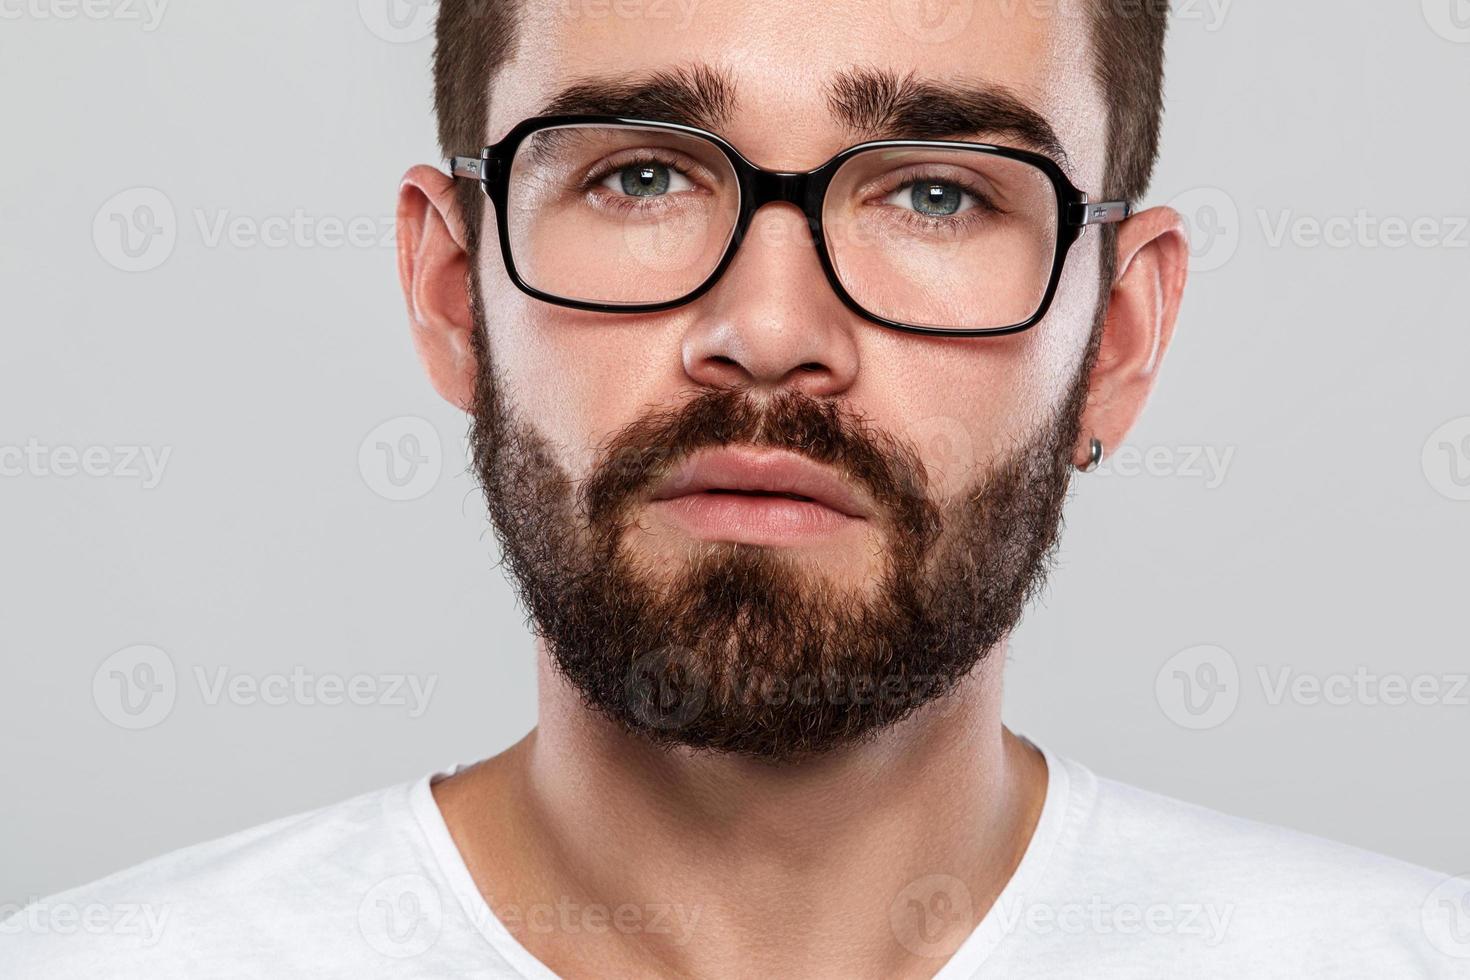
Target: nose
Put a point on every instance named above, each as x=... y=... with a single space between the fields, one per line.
x=773 y=322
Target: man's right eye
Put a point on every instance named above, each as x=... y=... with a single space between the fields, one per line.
x=646 y=180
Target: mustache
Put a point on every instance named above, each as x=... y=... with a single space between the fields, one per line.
x=644 y=450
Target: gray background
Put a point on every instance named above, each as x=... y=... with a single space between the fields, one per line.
x=1333 y=373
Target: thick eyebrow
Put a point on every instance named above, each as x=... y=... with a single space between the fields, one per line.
x=870 y=104
x=875 y=103
x=695 y=95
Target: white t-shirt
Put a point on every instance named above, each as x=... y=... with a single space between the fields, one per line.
x=1116 y=882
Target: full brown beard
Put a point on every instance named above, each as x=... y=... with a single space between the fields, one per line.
x=744 y=651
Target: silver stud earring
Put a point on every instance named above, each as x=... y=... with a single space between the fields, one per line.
x=1094 y=456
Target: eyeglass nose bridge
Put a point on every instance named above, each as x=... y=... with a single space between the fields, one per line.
x=804 y=190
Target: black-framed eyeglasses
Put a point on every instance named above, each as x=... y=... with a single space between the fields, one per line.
x=622 y=215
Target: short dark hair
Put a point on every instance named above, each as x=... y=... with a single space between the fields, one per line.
x=475 y=38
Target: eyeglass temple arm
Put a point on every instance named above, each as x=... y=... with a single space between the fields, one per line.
x=1100 y=212
x=474 y=167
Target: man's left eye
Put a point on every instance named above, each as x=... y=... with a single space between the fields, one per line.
x=932 y=198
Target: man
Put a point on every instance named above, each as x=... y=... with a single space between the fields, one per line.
x=783 y=330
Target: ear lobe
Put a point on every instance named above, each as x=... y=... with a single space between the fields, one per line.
x=1143 y=307
x=433 y=269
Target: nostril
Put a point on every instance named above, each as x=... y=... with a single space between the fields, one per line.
x=811 y=367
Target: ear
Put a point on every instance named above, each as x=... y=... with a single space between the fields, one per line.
x=433 y=268
x=1153 y=263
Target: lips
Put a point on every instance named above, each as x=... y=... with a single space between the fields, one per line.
x=761 y=473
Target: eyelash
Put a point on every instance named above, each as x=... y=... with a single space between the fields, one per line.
x=633 y=158
x=983 y=204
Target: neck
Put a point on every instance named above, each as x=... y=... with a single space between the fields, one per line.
x=598 y=849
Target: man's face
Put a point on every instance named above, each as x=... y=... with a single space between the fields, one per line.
x=609 y=443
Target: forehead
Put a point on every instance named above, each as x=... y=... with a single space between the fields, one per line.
x=783 y=59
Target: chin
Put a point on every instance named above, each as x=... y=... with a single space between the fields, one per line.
x=851 y=560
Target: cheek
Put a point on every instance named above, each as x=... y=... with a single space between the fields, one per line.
x=968 y=403
x=576 y=377
x=965 y=410
x=1070 y=321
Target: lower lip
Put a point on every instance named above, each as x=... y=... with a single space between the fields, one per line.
x=751 y=519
